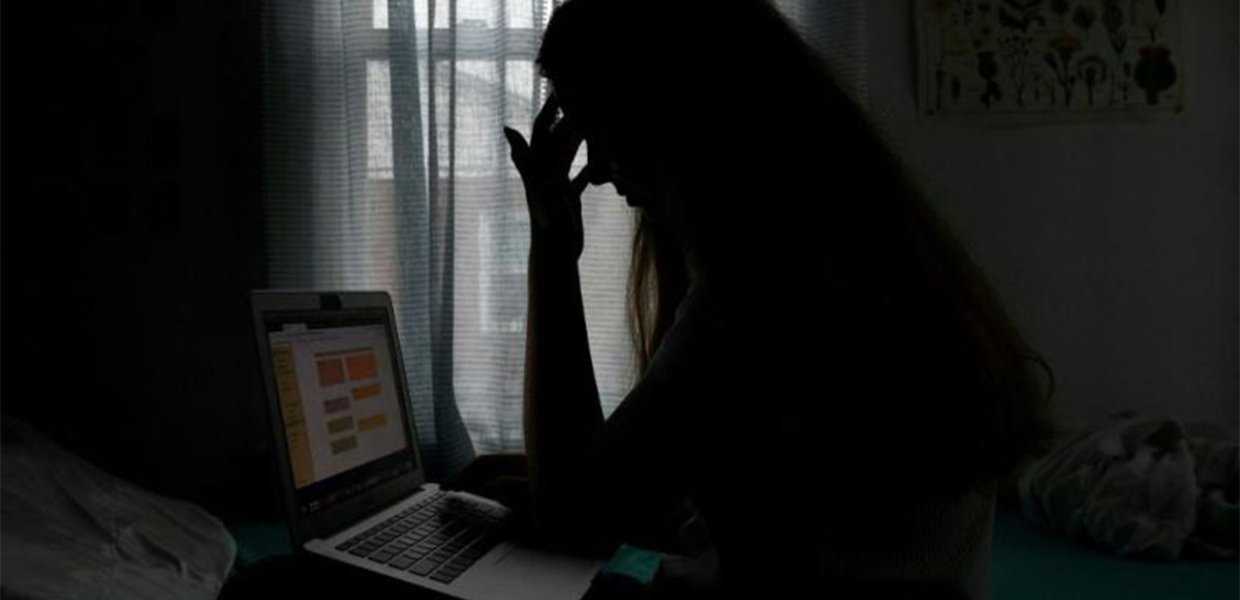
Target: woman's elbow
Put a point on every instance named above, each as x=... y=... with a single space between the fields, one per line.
x=575 y=520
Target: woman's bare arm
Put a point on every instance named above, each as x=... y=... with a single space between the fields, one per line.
x=562 y=412
x=590 y=479
x=562 y=415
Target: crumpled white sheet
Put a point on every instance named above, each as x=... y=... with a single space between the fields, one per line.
x=70 y=530
x=1140 y=486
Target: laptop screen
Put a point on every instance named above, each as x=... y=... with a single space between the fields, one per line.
x=342 y=407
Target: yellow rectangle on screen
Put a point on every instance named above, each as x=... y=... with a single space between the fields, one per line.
x=344 y=444
x=372 y=422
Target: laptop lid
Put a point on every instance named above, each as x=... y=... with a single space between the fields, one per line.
x=338 y=402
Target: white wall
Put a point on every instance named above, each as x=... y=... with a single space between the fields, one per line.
x=1113 y=244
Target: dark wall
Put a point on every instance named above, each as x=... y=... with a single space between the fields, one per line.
x=131 y=234
x=1112 y=241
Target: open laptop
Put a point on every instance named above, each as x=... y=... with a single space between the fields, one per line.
x=349 y=464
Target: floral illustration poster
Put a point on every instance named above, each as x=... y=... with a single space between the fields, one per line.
x=1049 y=57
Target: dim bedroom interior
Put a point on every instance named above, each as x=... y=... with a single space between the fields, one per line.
x=163 y=159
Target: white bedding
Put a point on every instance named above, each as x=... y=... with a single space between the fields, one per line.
x=1142 y=486
x=70 y=530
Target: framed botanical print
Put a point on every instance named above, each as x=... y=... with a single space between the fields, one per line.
x=1011 y=58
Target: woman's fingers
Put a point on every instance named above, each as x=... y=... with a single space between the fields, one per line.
x=553 y=137
x=575 y=188
x=483 y=470
x=545 y=162
x=550 y=159
x=567 y=141
x=518 y=149
x=544 y=120
x=579 y=183
x=512 y=491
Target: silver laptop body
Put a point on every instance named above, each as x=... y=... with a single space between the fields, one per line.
x=347 y=445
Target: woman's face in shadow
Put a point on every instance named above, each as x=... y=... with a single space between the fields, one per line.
x=619 y=146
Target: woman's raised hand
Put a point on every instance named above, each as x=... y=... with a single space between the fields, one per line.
x=554 y=199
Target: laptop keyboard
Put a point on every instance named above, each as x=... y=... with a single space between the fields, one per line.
x=432 y=538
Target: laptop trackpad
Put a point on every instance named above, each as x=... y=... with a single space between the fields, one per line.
x=519 y=572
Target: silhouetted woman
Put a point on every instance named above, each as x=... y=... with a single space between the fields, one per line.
x=826 y=378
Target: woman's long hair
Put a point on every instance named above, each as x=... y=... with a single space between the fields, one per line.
x=658 y=282
x=749 y=113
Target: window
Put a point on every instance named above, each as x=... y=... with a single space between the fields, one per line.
x=386 y=169
x=472 y=79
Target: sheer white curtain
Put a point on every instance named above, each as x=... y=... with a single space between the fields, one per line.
x=385 y=168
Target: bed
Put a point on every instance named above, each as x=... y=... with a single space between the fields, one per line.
x=1027 y=563
x=70 y=530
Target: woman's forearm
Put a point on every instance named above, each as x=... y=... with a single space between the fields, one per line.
x=562 y=413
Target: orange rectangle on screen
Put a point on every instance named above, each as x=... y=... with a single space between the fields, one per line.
x=372 y=422
x=365 y=391
x=361 y=366
x=331 y=372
